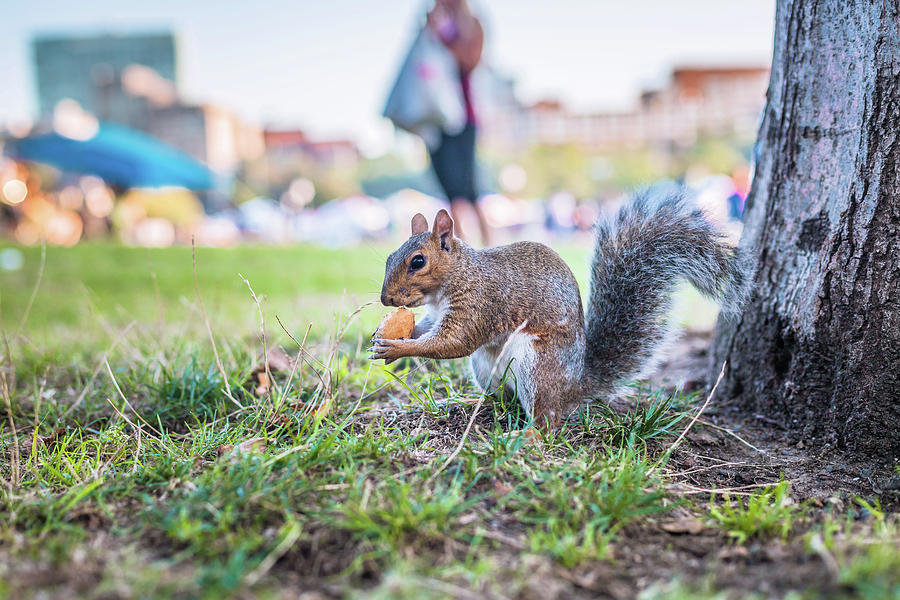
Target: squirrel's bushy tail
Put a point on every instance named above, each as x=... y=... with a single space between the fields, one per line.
x=641 y=253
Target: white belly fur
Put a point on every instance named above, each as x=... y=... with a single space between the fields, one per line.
x=489 y=367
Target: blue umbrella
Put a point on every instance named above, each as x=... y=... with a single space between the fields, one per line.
x=118 y=155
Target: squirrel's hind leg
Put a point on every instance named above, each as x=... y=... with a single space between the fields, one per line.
x=546 y=381
x=558 y=380
x=492 y=377
x=507 y=361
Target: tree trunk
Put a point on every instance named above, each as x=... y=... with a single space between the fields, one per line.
x=818 y=346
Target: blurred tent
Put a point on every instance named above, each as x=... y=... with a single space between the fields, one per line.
x=119 y=155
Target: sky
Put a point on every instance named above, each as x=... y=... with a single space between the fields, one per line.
x=327 y=65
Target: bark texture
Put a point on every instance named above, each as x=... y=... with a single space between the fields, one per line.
x=818 y=346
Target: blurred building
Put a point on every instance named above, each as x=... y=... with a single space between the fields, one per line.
x=86 y=69
x=210 y=133
x=502 y=117
x=697 y=101
x=131 y=79
x=293 y=161
x=286 y=146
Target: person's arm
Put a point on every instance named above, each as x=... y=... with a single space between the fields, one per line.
x=462 y=34
x=468 y=46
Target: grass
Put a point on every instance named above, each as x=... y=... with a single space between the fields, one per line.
x=102 y=286
x=134 y=464
x=767 y=512
x=861 y=548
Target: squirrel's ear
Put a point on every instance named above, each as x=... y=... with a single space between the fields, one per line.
x=443 y=228
x=419 y=224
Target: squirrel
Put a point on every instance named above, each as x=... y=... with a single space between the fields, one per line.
x=517 y=311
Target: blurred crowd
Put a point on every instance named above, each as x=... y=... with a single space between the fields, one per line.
x=38 y=204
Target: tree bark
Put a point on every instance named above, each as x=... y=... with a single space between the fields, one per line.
x=818 y=346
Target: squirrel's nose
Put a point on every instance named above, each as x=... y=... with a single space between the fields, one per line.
x=384 y=299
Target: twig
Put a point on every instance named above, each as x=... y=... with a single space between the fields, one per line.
x=499 y=537
x=732 y=434
x=297 y=360
x=700 y=412
x=159 y=304
x=128 y=404
x=303 y=350
x=14 y=451
x=272 y=557
x=712 y=458
x=123 y=415
x=711 y=467
x=338 y=336
x=212 y=339
x=137 y=452
x=34 y=290
x=733 y=490
x=118 y=338
x=471 y=422
x=262 y=333
x=363 y=391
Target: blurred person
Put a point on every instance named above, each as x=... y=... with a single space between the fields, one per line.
x=453 y=159
x=741 y=179
x=560 y=212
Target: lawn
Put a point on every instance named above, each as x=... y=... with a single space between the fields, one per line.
x=148 y=450
x=98 y=286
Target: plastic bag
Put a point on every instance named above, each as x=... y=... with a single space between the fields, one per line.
x=427 y=94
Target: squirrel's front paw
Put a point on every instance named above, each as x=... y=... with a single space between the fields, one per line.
x=389 y=350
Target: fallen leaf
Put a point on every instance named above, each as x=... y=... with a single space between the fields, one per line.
x=467 y=519
x=224 y=449
x=733 y=552
x=323 y=409
x=469 y=400
x=688 y=525
x=263 y=380
x=502 y=489
x=51 y=440
x=279 y=361
x=256 y=444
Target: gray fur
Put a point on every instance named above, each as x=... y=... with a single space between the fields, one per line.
x=519 y=305
x=640 y=254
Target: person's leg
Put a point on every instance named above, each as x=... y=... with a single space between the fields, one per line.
x=486 y=237
x=454 y=166
x=459 y=211
x=444 y=162
x=441 y=163
x=462 y=210
x=468 y=180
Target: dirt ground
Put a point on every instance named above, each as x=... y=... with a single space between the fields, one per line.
x=815 y=472
x=729 y=448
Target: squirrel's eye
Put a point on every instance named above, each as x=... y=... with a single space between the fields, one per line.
x=417 y=262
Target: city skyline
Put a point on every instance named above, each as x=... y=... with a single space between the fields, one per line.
x=328 y=68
